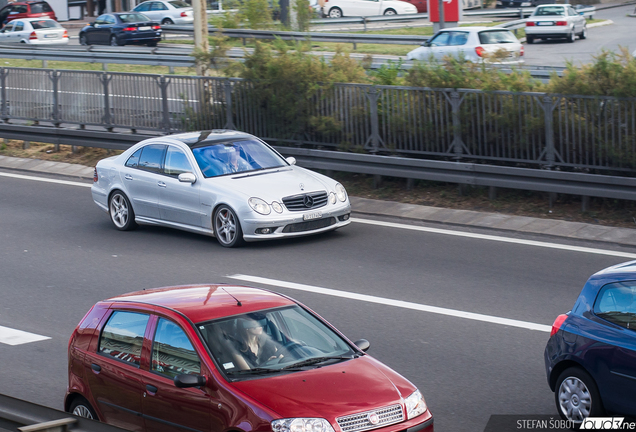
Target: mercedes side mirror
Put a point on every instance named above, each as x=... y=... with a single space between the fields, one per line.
x=186 y=380
x=363 y=344
x=291 y=160
x=187 y=177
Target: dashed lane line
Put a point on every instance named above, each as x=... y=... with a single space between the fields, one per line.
x=11 y=336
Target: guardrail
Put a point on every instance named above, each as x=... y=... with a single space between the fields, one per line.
x=433 y=170
x=534 y=129
x=121 y=55
x=303 y=36
x=174 y=57
x=23 y=416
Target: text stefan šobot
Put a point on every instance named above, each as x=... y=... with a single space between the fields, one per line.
x=545 y=424
x=590 y=423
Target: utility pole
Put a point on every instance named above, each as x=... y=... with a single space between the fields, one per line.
x=284 y=12
x=201 y=43
x=440 y=5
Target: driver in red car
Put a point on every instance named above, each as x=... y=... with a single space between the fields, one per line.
x=255 y=346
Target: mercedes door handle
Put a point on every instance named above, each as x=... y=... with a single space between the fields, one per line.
x=96 y=368
x=161 y=184
x=128 y=177
x=151 y=389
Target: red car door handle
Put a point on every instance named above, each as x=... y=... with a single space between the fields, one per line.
x=96 y=368
x=151 y=389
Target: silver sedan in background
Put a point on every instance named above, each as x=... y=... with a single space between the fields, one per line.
x=473 y=44
x=34 y=31
x=167 y=11
x=555 y=21
x=226 y=184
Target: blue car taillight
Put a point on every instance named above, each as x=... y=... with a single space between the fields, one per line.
x=558 y=322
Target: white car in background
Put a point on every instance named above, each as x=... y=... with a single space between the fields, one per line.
x=362 y=8
x=36 y=31
x=166 y=11
x=555 y=21
x=474 y=44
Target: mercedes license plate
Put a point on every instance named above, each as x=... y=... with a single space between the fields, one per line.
x=50 y=35
x=144 y=28
x=312 y=216
x=545 y=23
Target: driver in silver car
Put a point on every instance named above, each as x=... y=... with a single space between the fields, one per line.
x=235 y=163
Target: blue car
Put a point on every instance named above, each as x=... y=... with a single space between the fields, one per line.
x=121 y=28
x=590 y=358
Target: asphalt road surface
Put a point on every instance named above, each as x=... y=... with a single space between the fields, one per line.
x=60 y=254
x=611 y=37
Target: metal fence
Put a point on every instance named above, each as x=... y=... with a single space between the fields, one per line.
x=519 y=129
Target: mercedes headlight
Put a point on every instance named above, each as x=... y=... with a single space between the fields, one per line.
x=332 y=198
x=259 y=206
x=302 y=425
x=415 y=405
x=277 y=207
x=341 y=192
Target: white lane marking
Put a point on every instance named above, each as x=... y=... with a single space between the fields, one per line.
x=43 y=179
x=498 y=238
x=11 y=336
x=396 y=303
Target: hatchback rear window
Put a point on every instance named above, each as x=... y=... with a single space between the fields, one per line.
x=44 y=24
x=40 y=8
x=497 y=37
x=616 y=303
x=123 y=336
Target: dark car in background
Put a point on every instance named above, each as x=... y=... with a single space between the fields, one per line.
x=121 y=28
x=590 y=357
x=26 y=9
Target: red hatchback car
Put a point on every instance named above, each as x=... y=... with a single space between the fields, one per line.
x=26 y=9
x=230 y=358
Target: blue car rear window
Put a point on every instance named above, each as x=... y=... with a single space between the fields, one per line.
x=616 y=303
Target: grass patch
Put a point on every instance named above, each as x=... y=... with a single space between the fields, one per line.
x=112 y=67
x=87 y=156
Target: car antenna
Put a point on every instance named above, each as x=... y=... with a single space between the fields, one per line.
x=238 y=302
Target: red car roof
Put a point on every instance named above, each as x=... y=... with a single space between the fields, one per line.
x=206 y=302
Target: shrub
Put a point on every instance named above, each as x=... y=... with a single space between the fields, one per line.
x=304 y=13
x=611 y=74
x=457 y=73
x=256 y=14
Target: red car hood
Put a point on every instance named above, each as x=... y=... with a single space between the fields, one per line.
x=332 y=391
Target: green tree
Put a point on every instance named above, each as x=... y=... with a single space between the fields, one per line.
x=304 y=13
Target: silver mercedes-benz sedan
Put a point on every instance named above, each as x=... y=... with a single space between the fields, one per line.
x=227 y=184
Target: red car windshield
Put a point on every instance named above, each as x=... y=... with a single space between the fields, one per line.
x=274 y=340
